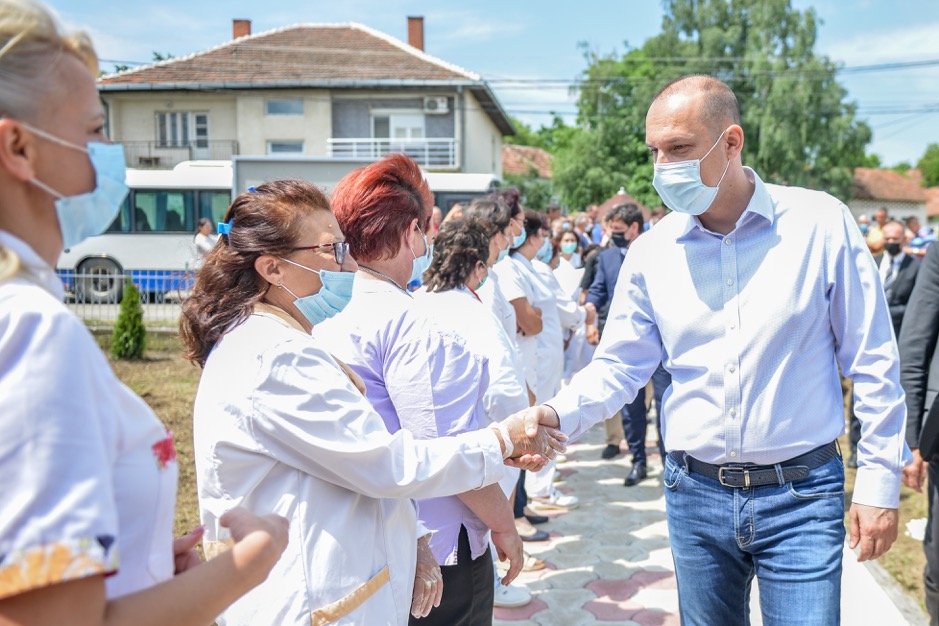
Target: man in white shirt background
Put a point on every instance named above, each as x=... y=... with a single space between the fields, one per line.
x=752 y=295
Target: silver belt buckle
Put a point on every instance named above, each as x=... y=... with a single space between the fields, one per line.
x=746 y=476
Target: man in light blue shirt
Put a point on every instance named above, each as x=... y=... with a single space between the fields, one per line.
x=752 y=295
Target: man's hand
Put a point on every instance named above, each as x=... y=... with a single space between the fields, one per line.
x=914 y=474
x=509 y=546
x=428 y=581
x=184 y=550
x=535 y=442
x=874 y=528
x=593 y=334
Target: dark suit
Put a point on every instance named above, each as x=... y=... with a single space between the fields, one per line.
x=899 y=290
x=635 y=420
x=919 y=377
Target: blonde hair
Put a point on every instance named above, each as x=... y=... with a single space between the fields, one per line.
x=32 y=43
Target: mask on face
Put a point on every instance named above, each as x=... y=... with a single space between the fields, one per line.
x=329 y=300
x=680 y=185
x=520 y=239
x=420 y=263
x=569 y=247
x=893 y=249
x=89 y=214
x=502 y=254
x=864 y=228
x=619 y=240
x=544 y=253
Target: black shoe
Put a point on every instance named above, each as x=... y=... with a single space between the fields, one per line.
x=609 y=452
x=637 y=473
x=537 y=519
x=539 y=535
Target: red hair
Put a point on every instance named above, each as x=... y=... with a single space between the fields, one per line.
x=375 y=205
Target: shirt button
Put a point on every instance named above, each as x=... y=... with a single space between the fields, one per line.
x=733 y=326
x=733 y=453
x=730 y=281
x=728 y=241
x=733 y=412
x=732 y=369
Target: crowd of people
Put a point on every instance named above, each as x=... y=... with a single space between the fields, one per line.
x=386 y=387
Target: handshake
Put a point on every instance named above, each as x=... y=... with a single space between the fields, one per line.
x=530 y=438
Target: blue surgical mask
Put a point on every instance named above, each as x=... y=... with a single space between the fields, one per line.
x=520 y=239
x=502 y=255
x=864 y=228
x=89 y=214
x=420 y=263
x=544 y=253
x=680 y=186
x=569 y=247
x=329 y=300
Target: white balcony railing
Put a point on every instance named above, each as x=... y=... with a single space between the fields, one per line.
x=440 y=153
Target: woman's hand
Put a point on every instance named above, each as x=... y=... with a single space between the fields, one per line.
x=184 y=550
x=259 y=541
x=428 y=581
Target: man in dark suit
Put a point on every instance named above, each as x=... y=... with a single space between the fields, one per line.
x=624 y=223
x=919 y=377
x=898 y=274
x=897 y=271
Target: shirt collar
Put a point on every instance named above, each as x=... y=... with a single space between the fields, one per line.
x=518 y=256
x=33 y=266
x=760 y=204
x=368 y=283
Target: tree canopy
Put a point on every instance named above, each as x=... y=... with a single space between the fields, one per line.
x=799 y=129
x=929 y=165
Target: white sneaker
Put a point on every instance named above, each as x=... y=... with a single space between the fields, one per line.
x=511 y=596
x=556 y=502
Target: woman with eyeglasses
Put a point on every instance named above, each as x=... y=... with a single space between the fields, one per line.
x=280 y=424
x=88 y=471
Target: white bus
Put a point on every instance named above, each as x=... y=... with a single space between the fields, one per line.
x=152 y=237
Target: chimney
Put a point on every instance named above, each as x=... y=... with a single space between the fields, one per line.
x=416 y=32
x=240 y=28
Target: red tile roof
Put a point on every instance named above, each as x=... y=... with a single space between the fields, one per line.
x=932 y=201
x=520 y=160
x=620 y=198
x=877 y=184
x=303 y=52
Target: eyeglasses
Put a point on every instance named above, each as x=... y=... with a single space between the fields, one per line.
x=340 y=249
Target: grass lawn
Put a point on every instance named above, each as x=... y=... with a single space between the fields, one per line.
x=168 y=383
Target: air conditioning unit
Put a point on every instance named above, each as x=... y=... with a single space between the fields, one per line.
x=436 y=104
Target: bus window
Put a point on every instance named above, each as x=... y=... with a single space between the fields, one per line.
x=121 y=223
x=163 y=211
x=213 y=204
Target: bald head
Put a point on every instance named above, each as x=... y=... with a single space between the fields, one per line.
x=716 y=103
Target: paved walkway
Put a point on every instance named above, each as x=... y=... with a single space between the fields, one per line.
x=609 y=562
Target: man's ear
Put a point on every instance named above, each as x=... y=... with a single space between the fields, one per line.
x=17 y=150
x=734 y=141
x=270 y=269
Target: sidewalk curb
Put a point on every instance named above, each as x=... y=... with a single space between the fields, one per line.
x=905 y=603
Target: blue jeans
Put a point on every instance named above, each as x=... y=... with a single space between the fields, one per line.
x=789 y=536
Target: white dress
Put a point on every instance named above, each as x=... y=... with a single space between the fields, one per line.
x=279 y=427
x=88 y=471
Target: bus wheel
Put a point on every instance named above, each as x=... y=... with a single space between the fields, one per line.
x=100 y=281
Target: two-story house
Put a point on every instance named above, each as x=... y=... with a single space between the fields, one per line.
x=339 y=90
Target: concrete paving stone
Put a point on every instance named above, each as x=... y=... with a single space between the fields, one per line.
x=521 y=613
x=616 y=570
x=570 y=578
x=665 y=600
x=566 y=598
x=563 y=617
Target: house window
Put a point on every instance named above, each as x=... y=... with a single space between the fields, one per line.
x=285 y=107
x=285 y=147
x=397 y=125
x=180 y=129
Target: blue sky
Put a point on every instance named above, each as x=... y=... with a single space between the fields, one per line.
x=539 y=40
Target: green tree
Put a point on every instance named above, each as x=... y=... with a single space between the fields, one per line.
x=799 y=128
x=536 y=192
x=129 y=338
x=929 y=165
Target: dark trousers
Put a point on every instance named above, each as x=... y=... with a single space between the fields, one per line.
x=635 y=418
x=931 y=546
x=468 y=591
x=521 y=496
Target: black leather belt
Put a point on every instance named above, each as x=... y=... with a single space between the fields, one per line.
x=746 y=476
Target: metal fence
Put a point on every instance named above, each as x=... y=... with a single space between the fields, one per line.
x=96 y=298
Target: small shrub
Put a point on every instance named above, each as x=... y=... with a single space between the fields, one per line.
x=129 y=338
